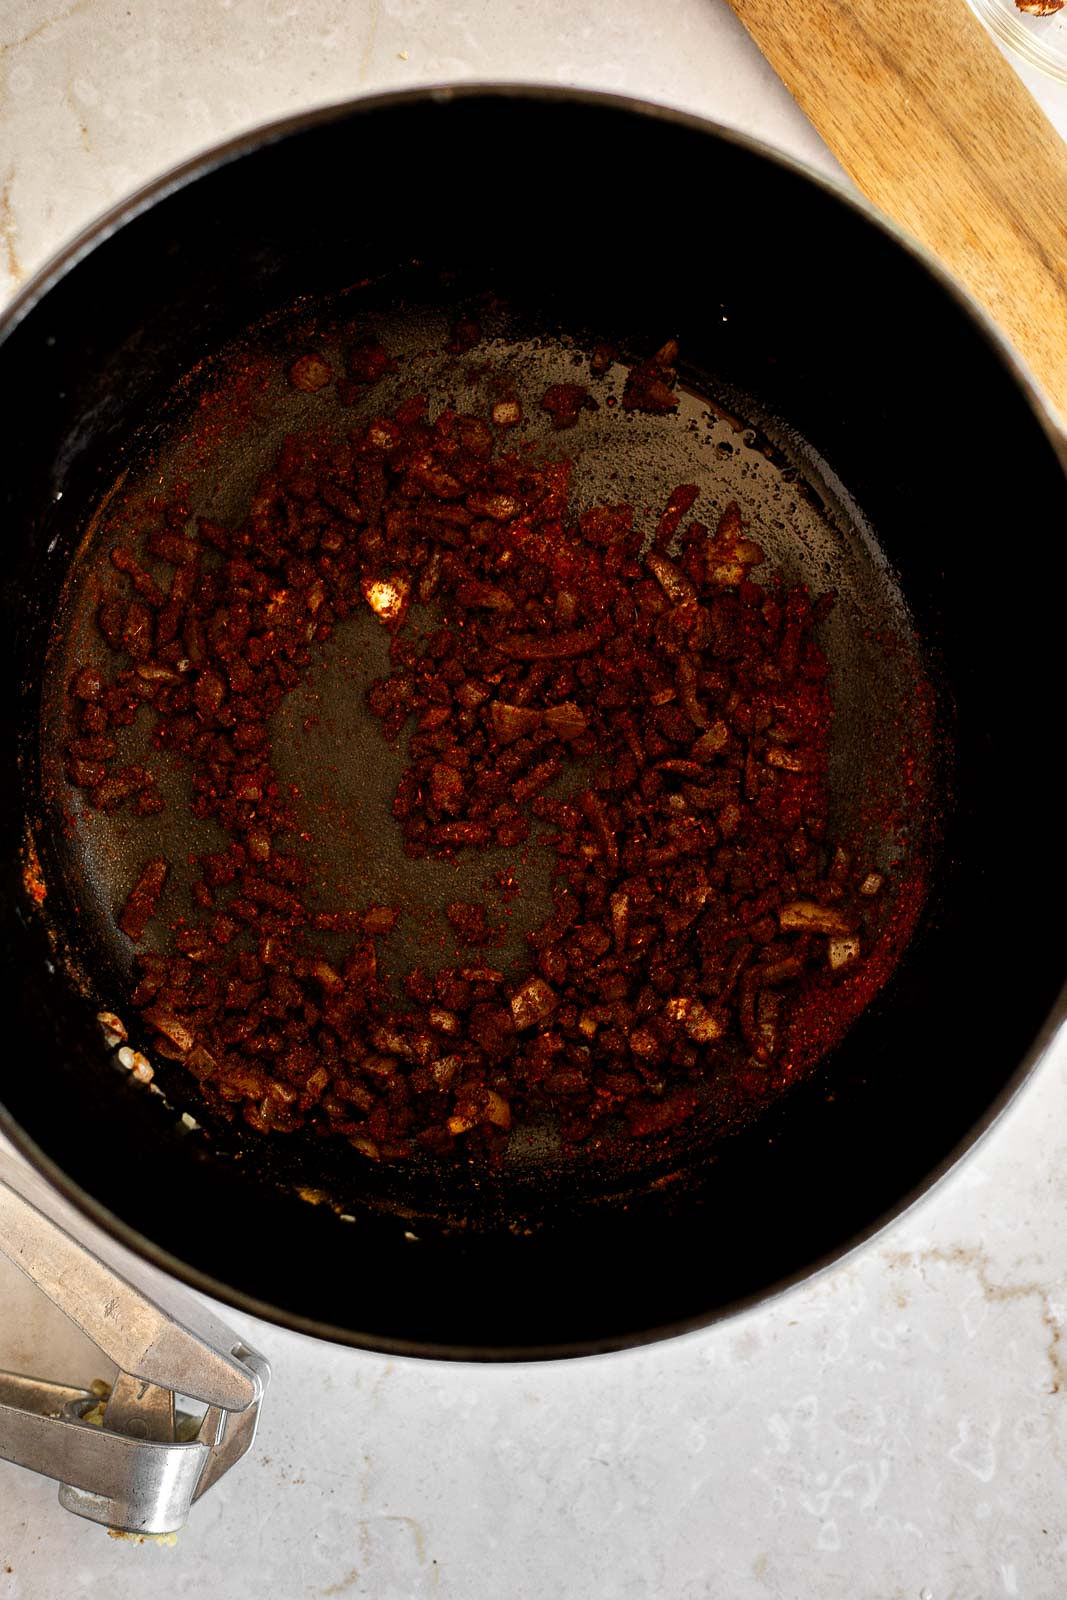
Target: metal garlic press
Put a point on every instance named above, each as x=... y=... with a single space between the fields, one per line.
x=126 y=1456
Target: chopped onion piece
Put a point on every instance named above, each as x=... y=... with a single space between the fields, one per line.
x=387 y=597
x=805 y=916
x=532 y=1003
x=843 y=950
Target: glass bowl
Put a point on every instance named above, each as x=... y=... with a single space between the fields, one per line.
x=1039 y=41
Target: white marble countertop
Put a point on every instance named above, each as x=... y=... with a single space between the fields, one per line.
x=895 y=1430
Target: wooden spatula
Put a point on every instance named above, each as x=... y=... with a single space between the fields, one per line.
x=932 y=123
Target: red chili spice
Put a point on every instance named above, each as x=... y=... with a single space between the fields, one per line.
x=659 y=717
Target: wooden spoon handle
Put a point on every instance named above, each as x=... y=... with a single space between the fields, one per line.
x=932 y=123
